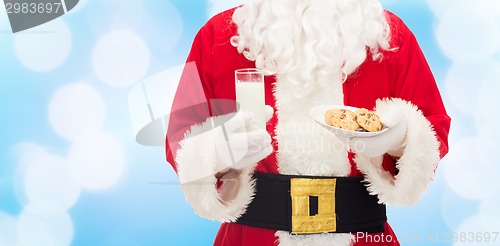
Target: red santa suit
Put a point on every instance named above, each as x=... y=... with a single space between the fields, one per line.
x=402 y=74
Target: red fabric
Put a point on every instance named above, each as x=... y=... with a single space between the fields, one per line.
x=404 y=74
x=235 y=234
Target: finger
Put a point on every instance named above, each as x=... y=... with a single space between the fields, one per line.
x=239 y=140
x=258 y=141
x=240 y=121
x=254 y=158
x=241 y=144
x=258 y=136
x=257 y=148
x=390 y=117
x=244 y=140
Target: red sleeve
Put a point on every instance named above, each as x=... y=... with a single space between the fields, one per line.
x=415 y=83
x=195 y=100
x=191 y=105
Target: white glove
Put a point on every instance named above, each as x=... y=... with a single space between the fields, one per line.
x=239 y=143
x=390 y=141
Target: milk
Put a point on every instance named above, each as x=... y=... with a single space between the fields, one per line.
x=250 y=96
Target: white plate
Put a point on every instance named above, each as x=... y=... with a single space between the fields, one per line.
x=318 y=114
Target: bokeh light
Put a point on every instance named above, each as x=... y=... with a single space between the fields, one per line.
x=130 y=15
x=450 y=204
x=489 y=214
x=8 y=229
x=32 y=230
x=48 y=179
x=463 y=173
x=81 y=5
x=439 y=7
x=473 y=232
x=26 y=153
x=45 y=47
x=463 y=81
x=56 y=219
x=468 y=31
x=120 y=58
x=76 y=109
x=218 y=6
x=488 y=94
x=165 y=35
x=486 y=119
x=97 y=161
x=79 y=159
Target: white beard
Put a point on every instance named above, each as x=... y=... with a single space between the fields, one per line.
x=308 y=42
x=308 y=45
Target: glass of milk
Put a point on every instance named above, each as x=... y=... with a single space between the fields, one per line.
x=250 y=93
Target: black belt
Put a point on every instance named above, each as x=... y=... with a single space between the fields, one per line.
x=312 y=204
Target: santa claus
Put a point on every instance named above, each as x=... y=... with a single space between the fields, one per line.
x=296 y=183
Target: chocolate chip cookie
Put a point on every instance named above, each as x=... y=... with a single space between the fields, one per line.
x=368 y=120
x=342 y=118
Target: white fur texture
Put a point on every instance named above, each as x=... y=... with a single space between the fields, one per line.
x=416 y=165
x=306 y=148
x=197 y=165
x=310 y=46
x=310 y=42
x=326 y=239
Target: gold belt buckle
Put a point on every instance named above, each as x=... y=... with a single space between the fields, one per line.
x=302 y=190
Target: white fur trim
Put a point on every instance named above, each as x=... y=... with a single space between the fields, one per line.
x=416 y=165
x=326 y=239
x=197 y=166
x=306 y=148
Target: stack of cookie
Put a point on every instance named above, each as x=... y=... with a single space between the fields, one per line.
x=361 y=120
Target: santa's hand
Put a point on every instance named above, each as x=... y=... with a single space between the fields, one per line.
x=240 y=143
x=216 y=161
x=390 y=141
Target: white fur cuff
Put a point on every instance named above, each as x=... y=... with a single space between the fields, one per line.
x=416 y=166
x=197 y=165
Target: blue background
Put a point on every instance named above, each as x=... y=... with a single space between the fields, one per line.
x=144 y=206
